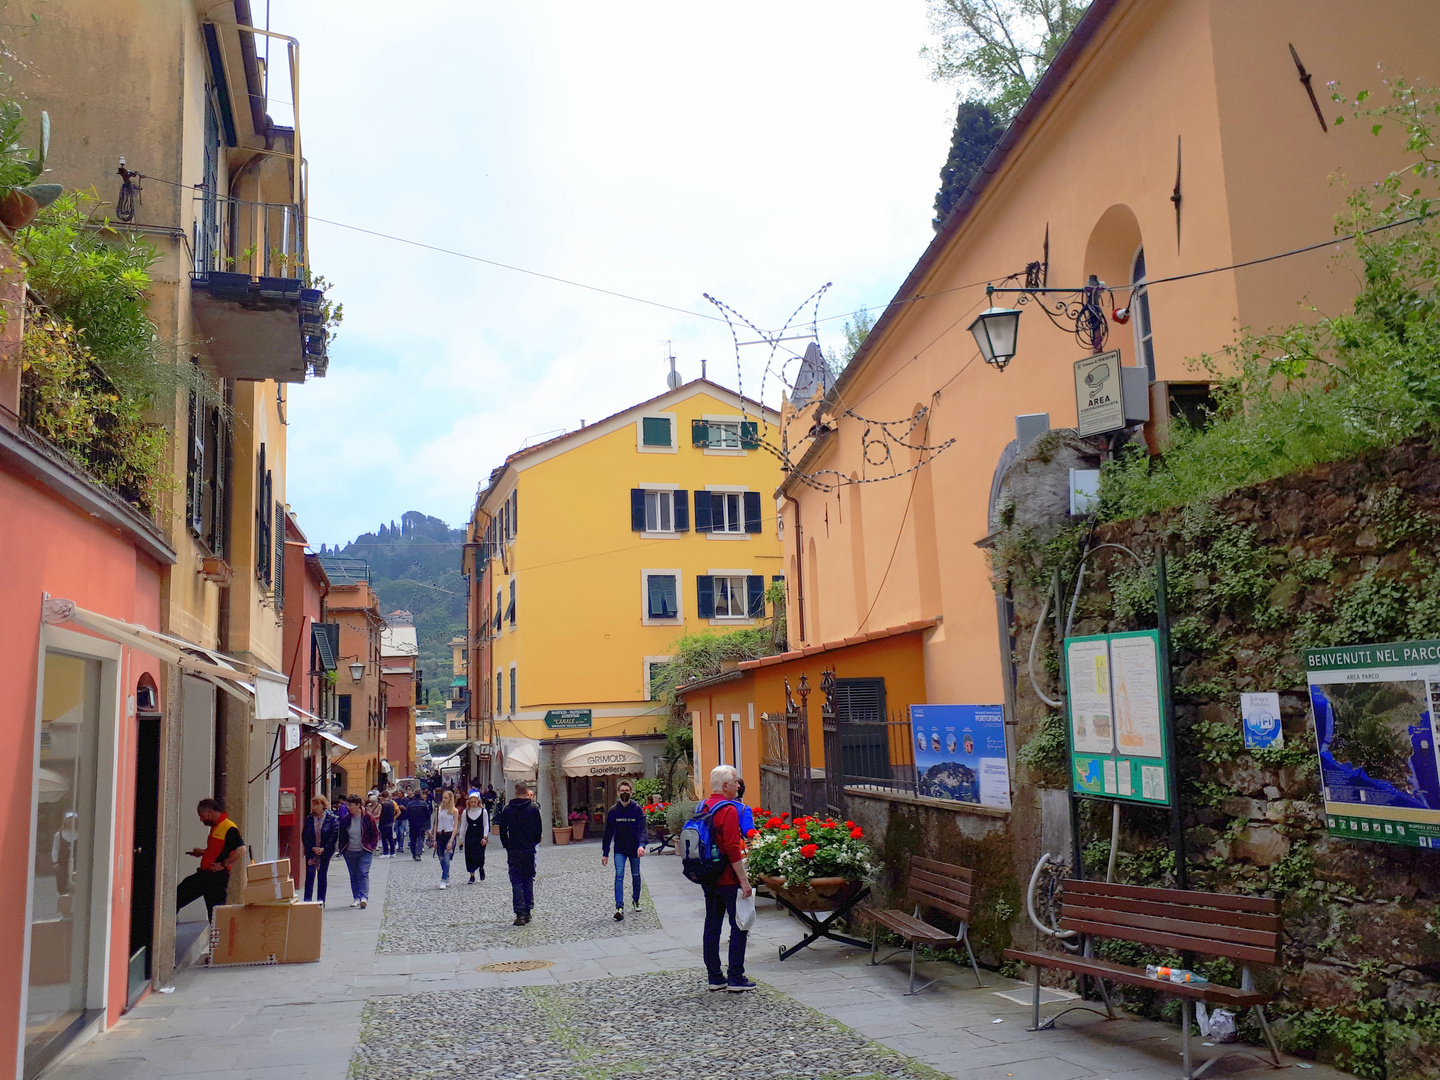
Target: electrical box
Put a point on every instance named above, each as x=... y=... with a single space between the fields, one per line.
x=287 y=806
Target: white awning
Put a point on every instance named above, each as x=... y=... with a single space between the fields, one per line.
x=604 y=757
x=268 y=691
x=335 y=739
x=521 y=758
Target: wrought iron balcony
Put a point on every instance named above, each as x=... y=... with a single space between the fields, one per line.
x=250 y=294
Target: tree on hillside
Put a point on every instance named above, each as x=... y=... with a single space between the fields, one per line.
x=996 y=50
x=976 y=133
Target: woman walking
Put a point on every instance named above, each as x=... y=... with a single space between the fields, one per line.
x=444 y=827
x=477 y=835
x=318 y=837
x=361 y=837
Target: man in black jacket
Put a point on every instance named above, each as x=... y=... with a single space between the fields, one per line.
x=520 y=833
x=417 y=813
x=625 y=826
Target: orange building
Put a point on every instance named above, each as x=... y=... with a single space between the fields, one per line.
x=359 y=693
x=1164 y=140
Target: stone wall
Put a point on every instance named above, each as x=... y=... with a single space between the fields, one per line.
x=1342 y=554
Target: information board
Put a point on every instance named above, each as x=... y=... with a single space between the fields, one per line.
x=1374 y=708
x=567 y=718
x=1099 y=396
x=960 y=753
x=1117 y=721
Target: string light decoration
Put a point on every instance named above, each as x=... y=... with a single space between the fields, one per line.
x=879 y=439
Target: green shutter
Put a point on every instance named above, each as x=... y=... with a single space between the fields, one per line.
x=749 y=435
x=704 y=596
x=655 y=431
x=699 y=434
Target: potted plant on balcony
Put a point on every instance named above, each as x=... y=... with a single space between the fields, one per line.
x=578 y=818
x=809 y=861
x=20 y=167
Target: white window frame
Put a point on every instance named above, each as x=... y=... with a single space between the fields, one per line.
x=711 y=419
x=647 y=665
x=733 y=620
x=673 y=448
x=738 y=491
x=663 y=519
x=102 y=884
x=645 y=576
x=514 y=684
x=735 y=740
x=499 y=690
x=720 y=739
x=1141 y=313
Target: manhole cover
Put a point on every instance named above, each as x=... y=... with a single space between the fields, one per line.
x=517 y=965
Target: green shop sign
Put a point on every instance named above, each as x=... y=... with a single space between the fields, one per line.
x=567 y=718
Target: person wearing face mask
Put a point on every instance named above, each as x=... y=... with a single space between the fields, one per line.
x=625 y=828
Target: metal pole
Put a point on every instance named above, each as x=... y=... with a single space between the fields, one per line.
x=1078 y=869
x=1167 y=696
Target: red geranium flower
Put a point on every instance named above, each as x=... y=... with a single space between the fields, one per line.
x=774 y=823
x=803 y=835
x=809 y=850
x=856 y=833
x=850 y=824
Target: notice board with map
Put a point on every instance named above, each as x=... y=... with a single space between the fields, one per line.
x=1117 y=722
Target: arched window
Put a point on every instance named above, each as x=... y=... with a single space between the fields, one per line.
x=1140 y=314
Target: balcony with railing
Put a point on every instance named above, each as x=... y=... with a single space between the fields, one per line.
x=251 y=292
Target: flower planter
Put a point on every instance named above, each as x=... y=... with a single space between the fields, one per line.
x=18 y=209
x=822 y=894
x=577 y=829
x=563 y=835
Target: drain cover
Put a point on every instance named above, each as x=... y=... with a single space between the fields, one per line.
x=517 y=965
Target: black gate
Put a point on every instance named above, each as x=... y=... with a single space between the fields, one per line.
x=797 y=735
x=834 y=750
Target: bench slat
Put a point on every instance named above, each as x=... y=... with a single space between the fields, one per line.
x=1225 y=901
x=1179 y=942
x=911 y=928
x=944 y=869
x=959 y=911
x=955 y=892
x=1130 y=976
x=1249 y=921
x=1175 y=921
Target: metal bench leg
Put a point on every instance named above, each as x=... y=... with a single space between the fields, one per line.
x=1036 y=1025
x=1269 y=1036
x=973 y=966
x=911 y=991
x=874 y=939
x=1105 y=997
x=1185 y=1036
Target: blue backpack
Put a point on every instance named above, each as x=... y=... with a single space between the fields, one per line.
x=701 y=859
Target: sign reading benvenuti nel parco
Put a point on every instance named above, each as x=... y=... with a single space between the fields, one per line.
x=1374 y=708
x=1099 y=397
x=567 y=718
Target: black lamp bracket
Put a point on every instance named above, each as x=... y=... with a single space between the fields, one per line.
x=1079 y=308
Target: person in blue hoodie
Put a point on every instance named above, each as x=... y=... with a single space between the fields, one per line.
x=625 y=827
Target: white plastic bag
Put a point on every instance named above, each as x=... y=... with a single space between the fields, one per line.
x=745 y=911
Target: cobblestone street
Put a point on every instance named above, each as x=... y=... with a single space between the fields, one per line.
x=410 y=988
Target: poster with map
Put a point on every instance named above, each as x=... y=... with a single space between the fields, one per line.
x=1374 y=708
x=960 y=753
x=1116 y=720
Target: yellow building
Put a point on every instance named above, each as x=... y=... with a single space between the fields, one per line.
x=653 y=523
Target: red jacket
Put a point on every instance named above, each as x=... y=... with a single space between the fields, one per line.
x=726 y=826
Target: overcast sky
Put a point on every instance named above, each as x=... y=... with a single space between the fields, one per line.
x=753 y=151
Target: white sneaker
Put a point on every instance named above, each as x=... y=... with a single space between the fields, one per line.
x=444 y=884
x=354 y=903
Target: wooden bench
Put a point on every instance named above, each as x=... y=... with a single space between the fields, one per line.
x=929 y=884
x=1241 y=928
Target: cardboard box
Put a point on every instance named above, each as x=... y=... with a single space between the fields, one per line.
x=264 y=871
x=265 y=934
x=279 y=890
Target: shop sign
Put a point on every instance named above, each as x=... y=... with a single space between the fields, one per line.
x=1118 y=748
x=567 y=718
x=960 y=753
x=1379 y=768
x=1099 y=396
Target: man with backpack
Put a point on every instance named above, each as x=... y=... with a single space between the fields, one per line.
x=714 y=856
x=520 y=833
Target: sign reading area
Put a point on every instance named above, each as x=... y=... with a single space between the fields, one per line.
x=567 y=718
x=1099 y=398
x=1117 y=721
x=1379 y=768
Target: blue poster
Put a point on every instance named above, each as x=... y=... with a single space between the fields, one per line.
x=960 y=753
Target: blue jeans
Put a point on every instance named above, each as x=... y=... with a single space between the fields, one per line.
x=359 y=865
x=442 y=849
x=720 y=902
x=316 y=876
x=620 y=861
x=417 y=840
x=522 y=881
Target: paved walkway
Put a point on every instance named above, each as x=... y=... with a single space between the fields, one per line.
x=616 y=1000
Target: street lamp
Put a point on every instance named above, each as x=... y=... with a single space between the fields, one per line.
x=995 y=331
x=357 y=671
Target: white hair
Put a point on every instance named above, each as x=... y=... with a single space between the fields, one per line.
x=721 y=775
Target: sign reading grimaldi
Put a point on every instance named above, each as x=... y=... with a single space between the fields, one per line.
x=1099 y=399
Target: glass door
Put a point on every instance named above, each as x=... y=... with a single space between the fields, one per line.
x=61 y=875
